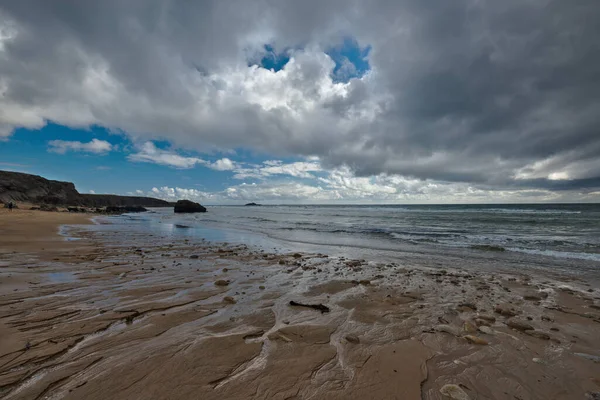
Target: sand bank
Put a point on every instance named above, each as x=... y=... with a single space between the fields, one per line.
x=101 y=319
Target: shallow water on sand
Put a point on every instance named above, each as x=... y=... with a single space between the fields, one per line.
x=552 y=239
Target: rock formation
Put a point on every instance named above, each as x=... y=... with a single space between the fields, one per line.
x=20 y=187
x=187 y=206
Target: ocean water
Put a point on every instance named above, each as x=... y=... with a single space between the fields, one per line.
x=561 y=238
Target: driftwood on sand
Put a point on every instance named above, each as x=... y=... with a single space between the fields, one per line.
x=319 y=307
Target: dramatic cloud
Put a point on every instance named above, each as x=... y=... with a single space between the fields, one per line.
x=493 y=96
x=94 y=146
x=342 y=186
x=299 y=169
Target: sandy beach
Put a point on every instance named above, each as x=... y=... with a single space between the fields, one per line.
x=105 y=319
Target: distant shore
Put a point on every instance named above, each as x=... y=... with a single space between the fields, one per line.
x=111 y=317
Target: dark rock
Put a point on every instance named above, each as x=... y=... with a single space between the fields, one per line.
x=505 y=311
x=252 y=204
x=194 y=256
x=297 y=255
x=222 y=282
x=352 y=339
x=186 y=206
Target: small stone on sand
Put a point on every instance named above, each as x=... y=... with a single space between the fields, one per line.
x=475 y=339
x=519 y=325
x=486 y=329
x=505 y=311
x=222 y=282
x=448 y=329
x=489 y=318
x=469 y=327
x=352 y=339
x=532 y=297
x=472 y=306
x=229 y=299
x=538 y=334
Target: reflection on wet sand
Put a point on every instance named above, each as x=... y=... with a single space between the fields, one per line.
x=103 y=318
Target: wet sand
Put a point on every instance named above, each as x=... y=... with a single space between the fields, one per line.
x=101 y=319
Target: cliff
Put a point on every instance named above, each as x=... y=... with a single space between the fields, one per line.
x=107 y=200
x=20 y=187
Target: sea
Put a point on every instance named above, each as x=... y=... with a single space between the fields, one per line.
x=562 y=239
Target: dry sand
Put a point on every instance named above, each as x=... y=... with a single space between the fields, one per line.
x=94 y=319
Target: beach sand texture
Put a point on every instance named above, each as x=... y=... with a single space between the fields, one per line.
x=101 y=319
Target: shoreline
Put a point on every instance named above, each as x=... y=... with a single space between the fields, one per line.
x=188 y=320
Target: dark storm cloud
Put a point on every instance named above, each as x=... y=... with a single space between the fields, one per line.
x=499 y=94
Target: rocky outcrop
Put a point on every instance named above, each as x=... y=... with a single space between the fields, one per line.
x=20 y=187
x=187 y=206
x=252 y=204
x=113 y=200
x=16 y=186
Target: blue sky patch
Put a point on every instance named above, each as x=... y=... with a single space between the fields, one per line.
x=273 y=60
x=351 y=61
x=114 y=171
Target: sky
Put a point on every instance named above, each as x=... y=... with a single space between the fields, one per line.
x=316 y=101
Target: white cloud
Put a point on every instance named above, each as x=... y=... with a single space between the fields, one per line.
x=92 y=192
x=94 y=146
x=176 y=193
x=299 y=169
x=224 y=164
x=149 y=153
x=341 y=186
